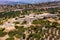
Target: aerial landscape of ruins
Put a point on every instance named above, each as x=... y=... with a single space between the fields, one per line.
x=30 y=21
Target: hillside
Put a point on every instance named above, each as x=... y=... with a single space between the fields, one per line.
x=30 y=21
x=7 y=7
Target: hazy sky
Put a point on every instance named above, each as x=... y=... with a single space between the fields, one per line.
x=30 y=0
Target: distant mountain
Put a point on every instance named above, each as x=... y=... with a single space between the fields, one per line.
x=7 y=2
x=12 y=2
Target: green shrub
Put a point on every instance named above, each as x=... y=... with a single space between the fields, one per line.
x=10 y=39
x=12 y=33
x=2 y=34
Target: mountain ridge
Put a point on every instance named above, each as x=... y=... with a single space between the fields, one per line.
x=11 y=2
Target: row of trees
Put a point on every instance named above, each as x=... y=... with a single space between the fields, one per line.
x=35 y=32
x=12 y=14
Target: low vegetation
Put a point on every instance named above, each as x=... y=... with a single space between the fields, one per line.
x=38 y=28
